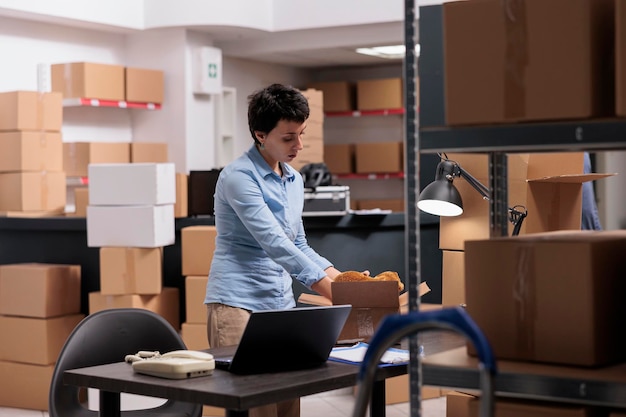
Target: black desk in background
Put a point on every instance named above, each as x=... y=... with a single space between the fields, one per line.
x=236 y=393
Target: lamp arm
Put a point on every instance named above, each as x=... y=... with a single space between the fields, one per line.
x=516 y=217
x=477 y=185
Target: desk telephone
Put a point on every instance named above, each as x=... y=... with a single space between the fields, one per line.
x=177 y=364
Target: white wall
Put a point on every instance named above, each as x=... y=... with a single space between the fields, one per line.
x=248 y=76
x=186 y=121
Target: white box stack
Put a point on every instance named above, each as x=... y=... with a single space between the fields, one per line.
x=131 y=205
x=130 y=217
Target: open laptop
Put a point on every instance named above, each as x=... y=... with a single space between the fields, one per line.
x=284 y=340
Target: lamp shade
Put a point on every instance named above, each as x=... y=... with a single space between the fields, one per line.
x=441 y=198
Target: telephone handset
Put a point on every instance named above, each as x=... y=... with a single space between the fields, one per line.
x=177 y=364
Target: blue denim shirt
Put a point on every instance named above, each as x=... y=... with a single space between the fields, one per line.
x=260 y=242
x=590 y=216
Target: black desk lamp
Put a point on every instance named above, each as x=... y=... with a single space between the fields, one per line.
x=441 y=198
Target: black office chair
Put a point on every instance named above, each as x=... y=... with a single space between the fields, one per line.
x=395 y=327
x=107 y=337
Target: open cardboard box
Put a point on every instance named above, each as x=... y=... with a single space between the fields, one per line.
x=549 y=185
x=371 y=301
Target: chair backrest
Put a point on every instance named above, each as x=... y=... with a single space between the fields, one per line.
x=107 y=337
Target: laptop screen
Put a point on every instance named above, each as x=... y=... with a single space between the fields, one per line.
x=282 y=340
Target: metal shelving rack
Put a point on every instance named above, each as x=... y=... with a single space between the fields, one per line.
x=454 y=369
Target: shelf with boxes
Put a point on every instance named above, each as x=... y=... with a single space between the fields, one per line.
x=363 y=140
x=544 y=350
x=106 y=85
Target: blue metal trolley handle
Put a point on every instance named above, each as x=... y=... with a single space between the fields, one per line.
x=395 y=327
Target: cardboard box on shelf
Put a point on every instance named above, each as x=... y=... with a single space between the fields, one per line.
x=549 y=185
x=194 y=335
x=453 y=278
x=24 y=385
x=51 y=289
x=148 y=152
x=316 y=105
x=78 y=155
x=31 y=151
x=31 y=110
x=381 y=157
x=195 y=291
x=506 y=70
x=181 y=207
x=144 y=85
x=132 y=184
x=379 y=94
x=131 y=270
x=533 y=308
x=32 y=191
x=152 y=226
x=166 y=304
x=339 y=158
x=465 y=405
x=34 y=340
x=197 y=247
x=81 y=201
x=371 y=301
x=88 y=80
x=338 y=96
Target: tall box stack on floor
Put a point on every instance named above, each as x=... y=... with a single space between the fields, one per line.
x=130 y=217
x=39 y=308
x=197 y=247
x=32 y=181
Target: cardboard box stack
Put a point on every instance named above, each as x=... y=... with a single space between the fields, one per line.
x=549 y=185
x=197 y=247
x=379 y=94
x=338 y=96
x=32 y=181
x=130 y=217
x=39 y=308
x=313 y=141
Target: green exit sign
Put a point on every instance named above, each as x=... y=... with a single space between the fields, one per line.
x=212 y=71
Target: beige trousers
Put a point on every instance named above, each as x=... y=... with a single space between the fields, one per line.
x=225 y=326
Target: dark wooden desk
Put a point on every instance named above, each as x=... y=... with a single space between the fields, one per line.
x=236 y=393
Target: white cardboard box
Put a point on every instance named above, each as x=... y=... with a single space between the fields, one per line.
x=132 y=184
x=130 y=226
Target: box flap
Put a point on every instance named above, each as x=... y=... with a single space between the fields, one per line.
x=572 y=178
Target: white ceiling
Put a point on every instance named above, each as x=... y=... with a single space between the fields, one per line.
x=311 y=48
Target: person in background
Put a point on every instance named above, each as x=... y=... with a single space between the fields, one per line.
x=590 y=217
x=261 y=242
